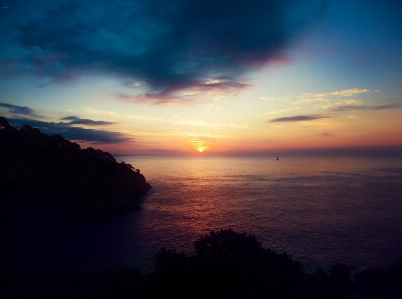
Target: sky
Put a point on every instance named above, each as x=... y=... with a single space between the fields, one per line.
x=202 y=77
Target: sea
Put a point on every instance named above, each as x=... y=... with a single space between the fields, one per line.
x=319 y=210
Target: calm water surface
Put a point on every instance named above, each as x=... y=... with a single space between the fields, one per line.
x=319 y=210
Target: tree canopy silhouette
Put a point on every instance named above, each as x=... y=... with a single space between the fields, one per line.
x=230 y=265
x=226 y=264
x=51 y=167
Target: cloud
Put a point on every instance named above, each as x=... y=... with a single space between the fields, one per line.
x=156 y=99
x=120 y=115
x=298 y=118
x=364 y=107
x=207 y=135
x=70 y=118
x=176 y=119
x=80 y=121
x=186 y=94
x=94 y=136
x=72 y=133
x=273 y=98
x=327 y=96
x=273 y=112
x=14 y=109
x=267 y=99
x=349 y=102
x=343 y=93
x=165 y=46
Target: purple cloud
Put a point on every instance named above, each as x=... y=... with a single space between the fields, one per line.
x=365 y=107
x=83 y=121
x=298 y=118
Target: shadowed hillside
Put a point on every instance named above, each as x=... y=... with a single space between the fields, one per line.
x=51 y=168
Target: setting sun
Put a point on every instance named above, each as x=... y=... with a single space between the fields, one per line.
x=201 y=149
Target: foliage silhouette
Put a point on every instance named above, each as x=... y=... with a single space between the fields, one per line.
x=228 y=264
x=380 y=283
x=51 y=167
x=225 y=264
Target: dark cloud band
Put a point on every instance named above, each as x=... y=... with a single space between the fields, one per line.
x=14 y=109
x=88 y=122
x=298 y=118
x=72 y=133
x=365 y=107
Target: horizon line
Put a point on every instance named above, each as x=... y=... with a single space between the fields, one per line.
x=363 y=151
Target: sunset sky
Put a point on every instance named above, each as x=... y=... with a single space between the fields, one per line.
x=218 y=77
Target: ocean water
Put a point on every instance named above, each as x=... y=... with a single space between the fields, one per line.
x=321 y=211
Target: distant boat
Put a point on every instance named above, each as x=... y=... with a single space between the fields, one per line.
x=277 y=158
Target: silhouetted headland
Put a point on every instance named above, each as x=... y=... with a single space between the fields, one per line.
x=36 y=166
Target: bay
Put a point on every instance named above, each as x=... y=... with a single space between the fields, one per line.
x=321 y=211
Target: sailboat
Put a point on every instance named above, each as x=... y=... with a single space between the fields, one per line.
x=277 y=158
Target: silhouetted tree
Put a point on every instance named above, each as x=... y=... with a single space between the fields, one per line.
x=380 y=283
x=228 y=264
x=4 y=123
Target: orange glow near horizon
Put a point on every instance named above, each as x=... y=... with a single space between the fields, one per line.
x=199 y=145
x=364 y=129
x=202 y=148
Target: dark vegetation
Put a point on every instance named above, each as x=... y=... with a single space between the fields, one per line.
x=225 y=264
x=35 y=165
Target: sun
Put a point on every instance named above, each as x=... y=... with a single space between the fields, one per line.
x=200 y=146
